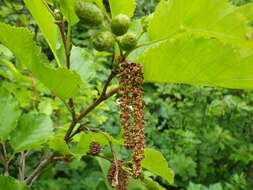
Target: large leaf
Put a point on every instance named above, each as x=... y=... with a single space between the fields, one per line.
x=59 y=144
x=247 y=12
x=32 y=131
x=9 y=114
x=61 y=82
x=198 y=61
x=9 y=183
x=126 y=7
x=216 y=18
x=160 y=167
x=50 y=30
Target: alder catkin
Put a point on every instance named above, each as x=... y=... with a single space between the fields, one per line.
x=132 y=111
x=95 y=148
x=117 y=176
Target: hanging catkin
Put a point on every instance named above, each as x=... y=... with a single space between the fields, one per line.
x=132 y=111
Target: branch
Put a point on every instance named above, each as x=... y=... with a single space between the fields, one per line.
x=67 y=48
x=21 y=167
x=43 y=164
x=80 y=129
x=97 y=102
x=107 y=83
x=5 y=160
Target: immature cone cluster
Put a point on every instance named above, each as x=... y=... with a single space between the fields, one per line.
x=132 y=112
x=117 y=176
x=95 y=148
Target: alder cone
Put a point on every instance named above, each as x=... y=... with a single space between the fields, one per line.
x=103 y=41
x=128 y=41
x=120 y=24
x=89 y=13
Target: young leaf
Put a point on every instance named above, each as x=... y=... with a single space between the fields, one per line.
x=83 y=144
x=9 y=183
x=62 y=82
x=198 y=61
x=223 y=21
x=32 y=131
x=58 y=144
x=45 y=20
x=160 y=167
x=151 y=184
x=126 y=7
x=67 y=7
x=82 y=62
x=9 y=114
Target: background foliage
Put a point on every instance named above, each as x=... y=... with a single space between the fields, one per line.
x=205 y=133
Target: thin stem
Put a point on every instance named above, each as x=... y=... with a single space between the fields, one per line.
x=88 y=110
x=101 y=98
x=72 y=108
x=67 y=46
x=80 y=129
x=4 y=149
x=97 y=102
x=21 y=168
x=5 y=160
x=108 y=81
x=140 y=35
x=43 y=164
x=108 y=159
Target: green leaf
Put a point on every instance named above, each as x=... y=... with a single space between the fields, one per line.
x=45 y=107
x=135 y=184
x=50 y=30
x=198 y=61
x=160 y=167
x=67 y=8
x=126 y=7
x=104 y=165
x=195 y=187
x=247 y=12
x=83 y=144
x=9 y=114
x=62 y=82
x=58 y=144
x=82 y=62
x=32 y=131
x=151 y=184
x=9 y=183
x=223 y=21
